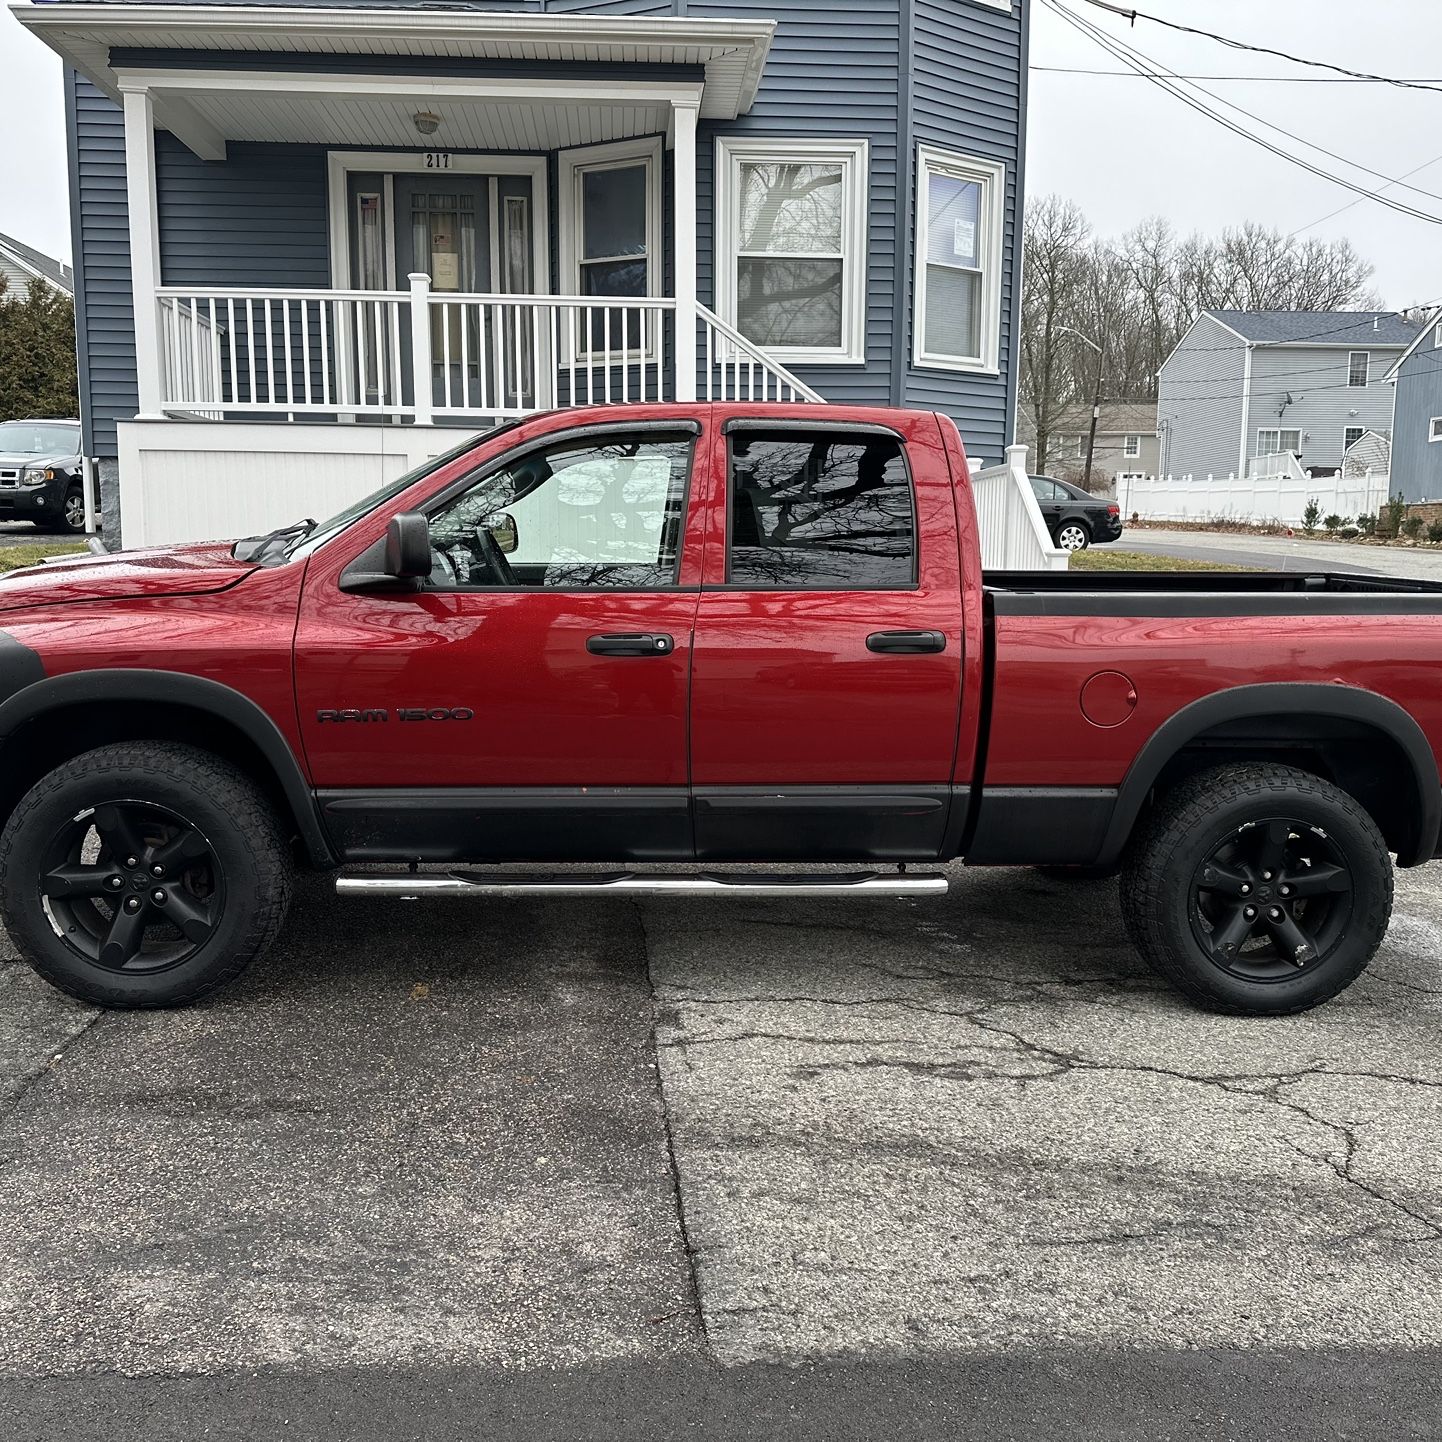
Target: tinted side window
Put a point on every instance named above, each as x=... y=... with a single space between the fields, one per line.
x=819 y=511
x=598 y=512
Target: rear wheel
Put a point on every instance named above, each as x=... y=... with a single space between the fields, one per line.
x=1073 y=536
x=142 y=875
x=1258 y=889
x=72 y=515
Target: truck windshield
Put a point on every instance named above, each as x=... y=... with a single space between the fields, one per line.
x=38 y=438
x=306 y=542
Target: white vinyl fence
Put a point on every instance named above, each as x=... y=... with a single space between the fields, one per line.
x=1013 y=535
x=1275 y=494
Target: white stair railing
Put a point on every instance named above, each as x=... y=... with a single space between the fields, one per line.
x=735 y=369
x=1013 y=535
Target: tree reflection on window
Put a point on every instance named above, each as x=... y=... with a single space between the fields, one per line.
x=820 y=512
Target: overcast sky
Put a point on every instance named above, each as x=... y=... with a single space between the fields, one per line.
x=1118 y=146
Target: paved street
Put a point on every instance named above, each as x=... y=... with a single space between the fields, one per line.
x=905 y=1169
x=1282 y=553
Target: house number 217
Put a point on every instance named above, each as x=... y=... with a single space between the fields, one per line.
x=438 y=160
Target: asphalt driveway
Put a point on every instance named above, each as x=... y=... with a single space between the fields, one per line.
x=883 y=1169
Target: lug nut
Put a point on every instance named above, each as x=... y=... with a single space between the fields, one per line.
x=1275 y=913
x=115 y=882
x=158 y=897
x=1284 y=890
x=1250 y=912
x=157 y=871
x=1246 y=889
x=132 y=903
x=1266 y=876
x=132 y=861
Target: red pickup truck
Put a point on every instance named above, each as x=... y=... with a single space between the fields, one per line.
x=701 y=634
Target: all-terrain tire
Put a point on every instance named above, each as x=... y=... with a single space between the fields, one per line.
x=1164 y=911
x=247 y=852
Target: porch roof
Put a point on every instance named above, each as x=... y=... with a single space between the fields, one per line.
x=731 y=54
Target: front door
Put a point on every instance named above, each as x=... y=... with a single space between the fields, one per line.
x=472 y=235
x=530 y=701
x=826 y=683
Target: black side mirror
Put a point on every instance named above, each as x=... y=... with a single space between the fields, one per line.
x=399 y=561
x=408 y=547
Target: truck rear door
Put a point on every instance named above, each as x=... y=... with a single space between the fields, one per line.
x=827 y=662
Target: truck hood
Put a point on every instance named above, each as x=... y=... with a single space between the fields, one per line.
x=165 y=571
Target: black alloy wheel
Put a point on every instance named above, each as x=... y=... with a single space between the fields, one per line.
x=1274 y=896
x=131 y=886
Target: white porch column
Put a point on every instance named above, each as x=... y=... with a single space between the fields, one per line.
x=684 y=226
x=144 y=247
x=422 y=379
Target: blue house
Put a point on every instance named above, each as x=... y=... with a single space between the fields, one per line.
x=1417 y=416
x=312 y=241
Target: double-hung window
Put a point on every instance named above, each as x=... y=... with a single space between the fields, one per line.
x=959 y=204
x=1351 y=436
x=1358 y=364
x=611 y=237
x=791 y=245
x=1132 y=447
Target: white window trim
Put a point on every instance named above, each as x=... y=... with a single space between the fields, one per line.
x=991 y=176
x=1279 y=432
x=1437 y=335
x=572 y=165
x=854 y=156
x=1131 y=446
x=1351 y=356
x=1434 y=429
x=1361 y=431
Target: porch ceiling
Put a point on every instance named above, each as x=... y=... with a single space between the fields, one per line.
x=732 y=53
x=386 y=121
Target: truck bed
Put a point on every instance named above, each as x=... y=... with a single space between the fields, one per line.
x=1214 y=593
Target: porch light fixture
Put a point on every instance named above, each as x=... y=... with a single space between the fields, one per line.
x=427 y=121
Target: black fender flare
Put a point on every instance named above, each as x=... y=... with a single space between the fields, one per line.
x=33 y=701
x=1286 y=698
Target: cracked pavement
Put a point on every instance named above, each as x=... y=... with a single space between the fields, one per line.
x=558 y=1158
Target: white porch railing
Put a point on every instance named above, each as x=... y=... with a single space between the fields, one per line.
x=1013 y=535
x=423 y=355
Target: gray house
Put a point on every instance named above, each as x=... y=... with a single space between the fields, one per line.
x=314 y=242
x=1246 y=384
x=1126 y=441
x=23 y=267
x=1417 y=416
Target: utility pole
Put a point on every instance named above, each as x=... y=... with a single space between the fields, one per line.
x=1101 y=351
x=1096 y=413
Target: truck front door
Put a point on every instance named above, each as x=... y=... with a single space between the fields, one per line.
x=528 y=701
x=826 y=680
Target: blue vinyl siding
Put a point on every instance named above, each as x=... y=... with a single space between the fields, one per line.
x=1416 y=461
x=895 y=73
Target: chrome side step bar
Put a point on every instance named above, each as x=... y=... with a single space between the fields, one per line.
x=411 y=886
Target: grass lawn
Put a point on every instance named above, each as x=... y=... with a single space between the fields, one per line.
x=13 y=557
x=1111 y=560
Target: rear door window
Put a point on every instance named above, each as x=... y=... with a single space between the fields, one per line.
x=822 y=510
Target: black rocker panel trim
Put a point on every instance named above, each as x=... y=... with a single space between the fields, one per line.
x=821 y=823
x=1286 y=699
x=510 y=823
x=1040 y=825
x=178 y=688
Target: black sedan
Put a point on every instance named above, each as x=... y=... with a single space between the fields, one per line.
x=41 y=476
x=1074 y=518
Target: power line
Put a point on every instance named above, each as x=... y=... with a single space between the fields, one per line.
x=1250 y=79
x=1127 y=13
x=1164 y=83
x=1162 y=76
x=1332 y=214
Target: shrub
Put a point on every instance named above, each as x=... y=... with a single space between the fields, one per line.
x=1412 y=527
x=1367 y=525
x=1311 y=515
x=1389 y=522
x=1434 y=532
x=1348 y=533
x=1333 y=523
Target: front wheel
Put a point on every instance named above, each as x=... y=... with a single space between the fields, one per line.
x=1073 y=536
x=1258 y=889
x=143 y=875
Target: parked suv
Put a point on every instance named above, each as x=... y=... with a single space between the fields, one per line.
x=1074 y=517
x=41 y=476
